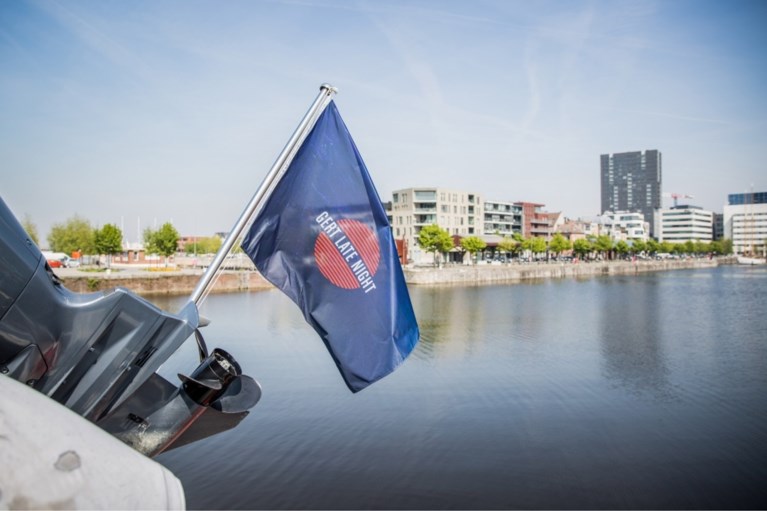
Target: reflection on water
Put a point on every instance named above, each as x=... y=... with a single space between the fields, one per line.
x=619 y=392
x=631 y=321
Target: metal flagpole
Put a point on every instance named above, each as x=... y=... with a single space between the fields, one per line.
x=271 y=179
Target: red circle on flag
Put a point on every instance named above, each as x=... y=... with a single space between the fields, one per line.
x=344 y=259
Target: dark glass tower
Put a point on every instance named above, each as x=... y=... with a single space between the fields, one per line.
x=632 y=182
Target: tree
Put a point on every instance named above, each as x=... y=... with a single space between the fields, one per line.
x=74 y=235
x=508 y=245
x=603 y=244
x=432 y=238
x=638 y=246
x=582 y=247
x=535 y=245
x=31 y=229
x=559 y=244
x=622 y=248
x=208 y=245
x=701 y=247
x=652 y=246
x=473 y=244
x=108 y=241
x=163 y=241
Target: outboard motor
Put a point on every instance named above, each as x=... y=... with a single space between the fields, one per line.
x=98 y=353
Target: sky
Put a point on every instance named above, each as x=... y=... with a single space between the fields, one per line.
x=143 y=112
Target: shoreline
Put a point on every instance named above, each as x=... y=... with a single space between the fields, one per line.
x=515 y=273
x=183 y=281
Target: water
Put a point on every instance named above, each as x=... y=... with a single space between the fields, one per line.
x=620 y=392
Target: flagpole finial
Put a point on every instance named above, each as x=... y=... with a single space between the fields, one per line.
x=329 y=88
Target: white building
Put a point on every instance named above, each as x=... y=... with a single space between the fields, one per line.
x=458 y=212
x=624 y=225
x=746 y=225
x=680 y=224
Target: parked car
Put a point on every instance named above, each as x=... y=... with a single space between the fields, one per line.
x=72 y=263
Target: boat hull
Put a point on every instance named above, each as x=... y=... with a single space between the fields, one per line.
x=751 y=261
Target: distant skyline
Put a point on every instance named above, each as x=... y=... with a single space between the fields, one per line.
x=174 y=111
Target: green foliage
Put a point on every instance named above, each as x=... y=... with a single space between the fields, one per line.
x=509 y=245
x=31 y=229
x=433 y=238
x=622 y=247
x=603 y=244
x=582 y=247
x=534 y=245
x=163 y=241
x=76 y=234
x=559 y=244
x=204 y=246
x=473 y=244
x=653 y=247
x=108 y=240
x=638 y=246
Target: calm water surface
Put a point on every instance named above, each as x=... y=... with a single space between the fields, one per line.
x=620 y=392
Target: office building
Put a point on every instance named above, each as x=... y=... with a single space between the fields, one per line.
x=718 y=227
x=632 y=182
x=745 y=222
x=684 y=223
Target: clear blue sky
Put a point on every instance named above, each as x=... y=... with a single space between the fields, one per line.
x=175 y=110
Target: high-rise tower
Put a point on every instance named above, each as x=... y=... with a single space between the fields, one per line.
x=632 y=182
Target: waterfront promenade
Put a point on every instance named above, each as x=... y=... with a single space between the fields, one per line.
x=183 y=281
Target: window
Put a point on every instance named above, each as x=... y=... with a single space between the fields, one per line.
x=425 y=195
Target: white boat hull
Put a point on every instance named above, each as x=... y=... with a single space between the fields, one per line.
x=751 y=260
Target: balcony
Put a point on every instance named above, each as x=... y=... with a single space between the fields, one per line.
x=425 y=219
x=421 y=196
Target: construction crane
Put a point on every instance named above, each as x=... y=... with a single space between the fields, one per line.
x=677 y=196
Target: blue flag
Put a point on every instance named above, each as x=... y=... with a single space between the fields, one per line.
x=322 y=237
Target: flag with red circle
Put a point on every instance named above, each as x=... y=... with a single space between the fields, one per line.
x=323 y=238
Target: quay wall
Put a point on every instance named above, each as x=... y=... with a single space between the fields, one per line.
x=184 y=281
x=515 y=273
x=168 y=283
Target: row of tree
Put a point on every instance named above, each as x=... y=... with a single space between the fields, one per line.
x=78 y=235
x=433 y=238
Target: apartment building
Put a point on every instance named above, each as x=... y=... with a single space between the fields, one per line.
x=683 y=223
x=535 y=221
x=502 y=218
x=624 y=225
x=459 y=212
